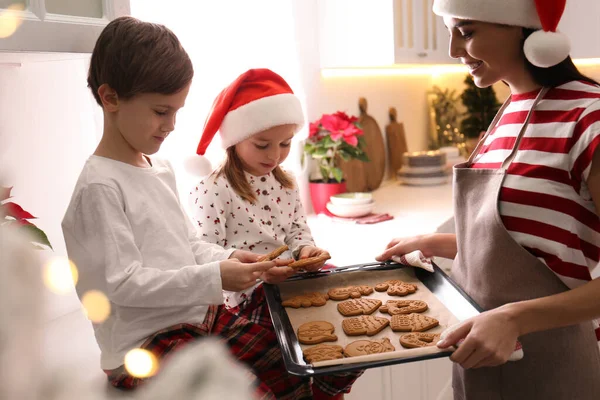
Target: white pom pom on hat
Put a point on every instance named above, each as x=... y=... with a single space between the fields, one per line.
x=197 y=165
x=544 y=48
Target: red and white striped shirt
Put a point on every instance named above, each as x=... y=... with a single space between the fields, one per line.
x=544 y=202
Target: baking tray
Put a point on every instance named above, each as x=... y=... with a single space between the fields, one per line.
x=450 y=295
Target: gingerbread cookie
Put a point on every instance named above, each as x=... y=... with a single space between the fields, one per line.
x=364 y=325
x=274 y=254
x=358 y=307
x=350 y=291
x=316 y=332
x=395 y=307
x=413 y=323
x=307 y=262
x=314 y=299
x=419 y=339
x=396 y=288
x=364 y=347
x=323 y=352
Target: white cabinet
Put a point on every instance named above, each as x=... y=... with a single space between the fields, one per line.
x=581 y=23
x=419 y=35
x=373 y=33
x=56 y=25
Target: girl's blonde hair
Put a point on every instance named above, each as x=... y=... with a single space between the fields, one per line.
x=233 y=170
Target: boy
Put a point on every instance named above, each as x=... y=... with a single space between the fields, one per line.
x=125 y=228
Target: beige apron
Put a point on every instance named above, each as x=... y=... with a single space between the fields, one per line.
x=494 y=270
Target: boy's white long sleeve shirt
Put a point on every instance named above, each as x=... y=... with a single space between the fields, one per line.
x=129 y=237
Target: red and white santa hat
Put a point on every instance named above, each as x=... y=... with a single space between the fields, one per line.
x=544 y=48
x=257 y=100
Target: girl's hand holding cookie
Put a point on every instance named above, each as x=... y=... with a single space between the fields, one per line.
x=312 y=251
x=237 y=276
x=249 y=257
x=277 y=274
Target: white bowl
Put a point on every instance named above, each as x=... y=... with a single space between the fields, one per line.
x=351 y=211
x=351 y=198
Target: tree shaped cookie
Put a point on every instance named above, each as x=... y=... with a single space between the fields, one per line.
x=396 y=288
x=350 y=291
x=274 y=254
x=307 y=262
x=316 y=332
x=314 y=299
x=364 y=325
x=323 y=352
x=358 y=307
x=395 y=307
x=413 y=323
x=364 y=347
x=419 y=339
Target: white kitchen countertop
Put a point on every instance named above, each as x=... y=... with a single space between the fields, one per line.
x=416 y=210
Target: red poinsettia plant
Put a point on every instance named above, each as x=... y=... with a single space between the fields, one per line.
x=334 y=137
x=13 y=215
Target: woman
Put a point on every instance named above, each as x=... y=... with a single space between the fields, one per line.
x=527 y=243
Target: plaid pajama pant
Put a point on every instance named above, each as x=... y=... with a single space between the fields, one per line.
x=250 y=337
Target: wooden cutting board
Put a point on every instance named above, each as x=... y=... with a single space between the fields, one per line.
x=363 y=176
x=396 y=143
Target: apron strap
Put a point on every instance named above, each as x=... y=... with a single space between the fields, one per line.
x=506 y=163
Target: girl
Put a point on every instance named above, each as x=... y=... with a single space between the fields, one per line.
x=527 y=241
x=250 y=203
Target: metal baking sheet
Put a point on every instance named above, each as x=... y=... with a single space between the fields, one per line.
x=448 y=298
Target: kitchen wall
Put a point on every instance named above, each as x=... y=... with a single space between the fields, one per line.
x=49 y=125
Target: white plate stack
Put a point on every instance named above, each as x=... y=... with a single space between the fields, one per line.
x=453 y=157
x=351 y=205
x=423 y=168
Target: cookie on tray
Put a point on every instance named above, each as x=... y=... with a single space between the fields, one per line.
x=419 y=339
x=316 y=332
x=354 y=307
x=365 y=347
x=344 y=293
x=364 y=325
x=323 y=352
x=396 y=287
x=413 y=323
x=395 y=307
x=313 y=299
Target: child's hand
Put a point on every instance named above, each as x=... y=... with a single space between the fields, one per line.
x=245 y=256
x=278 y=274
x=237 y=276
x=312 y=251
x=249 y=257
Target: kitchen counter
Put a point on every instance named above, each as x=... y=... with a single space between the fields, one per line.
x=416 y=210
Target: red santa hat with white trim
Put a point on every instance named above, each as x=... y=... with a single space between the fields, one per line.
x=257 y=100
x=544 y=48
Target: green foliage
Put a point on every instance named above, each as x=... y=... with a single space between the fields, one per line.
x=482 y=106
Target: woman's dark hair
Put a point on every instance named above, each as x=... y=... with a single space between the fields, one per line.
x=557 y=75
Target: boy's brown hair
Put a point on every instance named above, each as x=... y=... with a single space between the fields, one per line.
x=233 y=170
x=135 y=57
